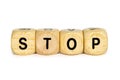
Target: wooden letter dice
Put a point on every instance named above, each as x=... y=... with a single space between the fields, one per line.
x=23 y=41
x=71 y=42
x=95 y=41
x=47 y=41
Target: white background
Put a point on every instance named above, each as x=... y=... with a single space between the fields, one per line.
x=60 y=14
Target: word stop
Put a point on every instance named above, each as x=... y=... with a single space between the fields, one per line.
x=93 y=41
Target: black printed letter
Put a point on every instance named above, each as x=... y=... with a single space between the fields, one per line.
x=47 y=42
x=23 y=43
x=75 y=43
x=93 y=42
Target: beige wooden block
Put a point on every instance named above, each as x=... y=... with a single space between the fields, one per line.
x=47 y=41
x=71 y=41
x=23 y=41
x=95 y=41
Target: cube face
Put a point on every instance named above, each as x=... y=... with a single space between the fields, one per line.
x=47 y=41
x=95 y=41
x=71 y=42
x=23 y=41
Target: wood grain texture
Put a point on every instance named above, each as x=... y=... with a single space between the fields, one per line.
x=29 y=35
x=91 y=33
x=41 y=44
x=68 y=38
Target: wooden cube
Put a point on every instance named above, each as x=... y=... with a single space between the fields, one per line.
x=47 y=41
x=95 y=41
x=71 y=41
x=23 y=41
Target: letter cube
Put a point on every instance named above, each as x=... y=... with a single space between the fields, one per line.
x=71 y=41
x=23 y=41
x=47 y=41
x=95 y=41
